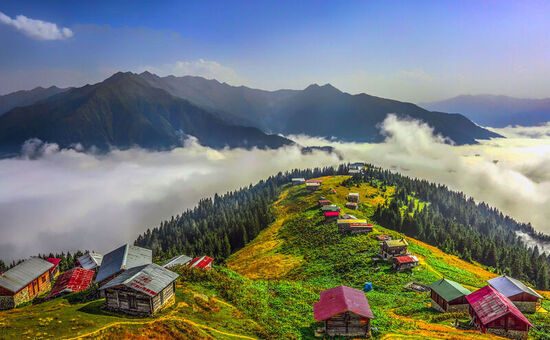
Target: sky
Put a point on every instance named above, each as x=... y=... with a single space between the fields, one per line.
x=408 y=50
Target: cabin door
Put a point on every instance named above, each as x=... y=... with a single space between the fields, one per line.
x=132 y=303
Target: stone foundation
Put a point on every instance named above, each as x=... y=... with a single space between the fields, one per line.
x=458 y=308
x=6 y=302
x=437 y=307
x=519 y=335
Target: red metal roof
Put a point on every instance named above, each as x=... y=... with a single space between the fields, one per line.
x=489 y=304
x=332 y=213
x=404 y=259
x=200 y=262
x=339 y=300
x=72 y=281
x=324 y=201
x=53 y=261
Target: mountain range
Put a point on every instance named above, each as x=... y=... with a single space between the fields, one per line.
x=157 y=113
x=496 y=111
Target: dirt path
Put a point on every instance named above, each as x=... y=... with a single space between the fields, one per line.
x=168 y=317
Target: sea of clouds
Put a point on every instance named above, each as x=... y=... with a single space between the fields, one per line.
x=59 y=200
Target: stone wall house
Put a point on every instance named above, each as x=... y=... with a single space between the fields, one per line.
x=24 y=282
x=448 y=296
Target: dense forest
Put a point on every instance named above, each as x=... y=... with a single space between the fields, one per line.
x=457 y=225
x=67 y=262
x=223 y=224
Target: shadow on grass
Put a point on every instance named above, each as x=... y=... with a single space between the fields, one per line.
x=97 y=308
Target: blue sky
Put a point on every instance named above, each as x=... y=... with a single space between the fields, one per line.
x=409 y=50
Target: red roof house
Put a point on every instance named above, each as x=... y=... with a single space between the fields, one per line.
x=405 y=262
x=72 y=281
x=314 y=181
x=54 y=271
x=204 y=262
x=331 y=215
x=345 y=312
x=324 y=202
x=493 y=312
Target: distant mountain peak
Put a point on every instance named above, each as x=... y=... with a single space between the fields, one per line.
x=327 y=88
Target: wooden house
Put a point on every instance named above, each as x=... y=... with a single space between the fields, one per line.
x=203 y=262
x=90 y=261
x=492 y=312
x=352 y=205
x=142 y=290
x=120 y=260
x=176 y=261
x=24 y=282
x=345 y=311
x=331 y=207
x=318 y=181
x=525 y=298
x=298 y=181
x=72 y=281
x=54 y=271
x=323 y=203
x=354 y=226
x=353 y=197
x=448 y=296
x=405 y=262
x=331 y=216
x=312 y=186
x=393 y=248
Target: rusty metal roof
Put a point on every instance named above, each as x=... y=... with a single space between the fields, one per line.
x=149 y=279
x=90 y=260
x=123 y=258
x=24 y=273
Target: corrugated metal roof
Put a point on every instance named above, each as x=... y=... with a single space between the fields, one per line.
x=449 y=290
x=339 y=300
x=405 y=259
x=397 y=243
x=314 y=181
x=509 y=286
x=330 y=208
x=179 y=260
x=348 y=217
x=200 y=262
x=332 y=213
x=90 y=260
x=24 y=273
x=350 y=221
x=489 y=304
x=353 y=194
x=298 y=179
x=149 y=279
x=72 y=281
x=123 y=258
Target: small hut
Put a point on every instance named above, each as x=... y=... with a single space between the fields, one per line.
x=354 y=226
x=353 y=197
x=24 y=281
x=345 y=311
x=331 y=207
x=352 y=205
x=492 y=312
x=72 y=281
x=54 y=272
x=298 y=181
x=525 y=298
x=448 y=296
x=331 y=216
x=176 y=261
x=312 y=186
x=393 y=248
x=203 y=262
x=142 y=290
x=323 y=203
x=120 y=260
x=405 y=262
x=90 y=261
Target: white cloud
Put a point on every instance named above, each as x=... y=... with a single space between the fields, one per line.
x=37 y=29
x=56 y=200
x=202 y=68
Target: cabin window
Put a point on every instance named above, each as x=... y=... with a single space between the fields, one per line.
x=132 y=304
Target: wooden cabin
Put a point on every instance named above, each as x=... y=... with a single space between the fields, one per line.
x=323 y=203
x=448 y=296
x=203 y=262
x=492 y=312
x=176 y=261
x=352 y=205
x=345 y=311
x=405 y=262
x=312 y=186
x=393 y=248
x=331 y=207
x=142 y=290
x=298 y=181
x=90 y=261
x=54 y=272
x=72 y=281
x=331 y=216
x=354 y=226
x=353 y=197
x=120 y=260
x=24 y=282
x=525 y=298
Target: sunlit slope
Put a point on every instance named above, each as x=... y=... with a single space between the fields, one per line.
x=317 y=257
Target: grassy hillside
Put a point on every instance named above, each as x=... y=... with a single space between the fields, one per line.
x=267 y=289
